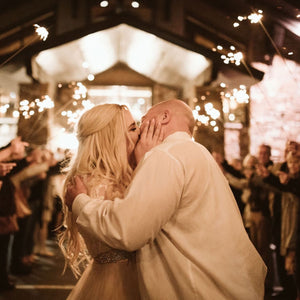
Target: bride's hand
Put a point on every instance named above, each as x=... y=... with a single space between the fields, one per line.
x=151 y=135
x=74 y=188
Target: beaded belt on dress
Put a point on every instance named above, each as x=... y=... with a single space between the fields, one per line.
x=113 y=256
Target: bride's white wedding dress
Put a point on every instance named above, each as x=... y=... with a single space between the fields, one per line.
x=111 y=275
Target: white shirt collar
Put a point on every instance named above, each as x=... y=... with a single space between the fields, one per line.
x=178 y=135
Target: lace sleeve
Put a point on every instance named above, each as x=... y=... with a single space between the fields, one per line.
x=100 y=192
x=103 y=190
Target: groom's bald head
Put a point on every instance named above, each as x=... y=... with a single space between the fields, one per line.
x=174 y=115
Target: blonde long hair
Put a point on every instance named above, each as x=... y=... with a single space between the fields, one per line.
x=102 y=157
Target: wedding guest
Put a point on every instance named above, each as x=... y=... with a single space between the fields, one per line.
x=288 y=183
x=8 y=218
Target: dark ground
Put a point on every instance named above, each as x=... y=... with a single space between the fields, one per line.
x=46 y=281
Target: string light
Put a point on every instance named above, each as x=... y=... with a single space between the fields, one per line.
x=135 y=4
x=104 y=3
x=231 y=117
x=91 y=77
x=85 y=65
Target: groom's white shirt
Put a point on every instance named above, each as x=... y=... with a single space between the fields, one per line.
x=181 y=217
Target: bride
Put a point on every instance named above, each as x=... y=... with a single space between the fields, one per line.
x=107 y=137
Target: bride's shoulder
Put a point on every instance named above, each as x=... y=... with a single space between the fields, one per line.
x=103 y=189
x=97 y=188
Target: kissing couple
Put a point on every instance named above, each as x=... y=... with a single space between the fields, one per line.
x=152 y=214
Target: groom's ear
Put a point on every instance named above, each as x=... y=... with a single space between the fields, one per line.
x=165 y=117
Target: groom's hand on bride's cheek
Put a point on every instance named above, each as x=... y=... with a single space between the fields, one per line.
x=74 y=188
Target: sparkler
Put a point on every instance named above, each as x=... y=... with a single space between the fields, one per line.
x=28 y=109
x=255 y=17
x=41 y=31
x=232 y=58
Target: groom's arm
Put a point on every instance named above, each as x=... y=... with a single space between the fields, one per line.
x=152 y=199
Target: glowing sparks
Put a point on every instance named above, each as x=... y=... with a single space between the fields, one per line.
x=232 y=58
x=211 y=111
x=46 y=103
x=231 y=117
x=255 y=17
x=203 y=119
x=233 y=102
x=208 y=117
x=28 y=109
x=41 y=31
x=4 y=108
x=80 y=91
x=79 y=105
x=16 y=114
x=241 y=95
x=236 y=96
x=74 y=116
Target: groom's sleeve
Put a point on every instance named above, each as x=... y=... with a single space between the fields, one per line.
x=151 y=200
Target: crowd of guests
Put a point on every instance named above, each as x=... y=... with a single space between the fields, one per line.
x=30 y=199
x=267 y=195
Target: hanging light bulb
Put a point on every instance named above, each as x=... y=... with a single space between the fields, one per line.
x=104 y=3
x=135 y=4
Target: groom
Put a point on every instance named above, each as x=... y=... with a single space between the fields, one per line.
x=180 y=216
